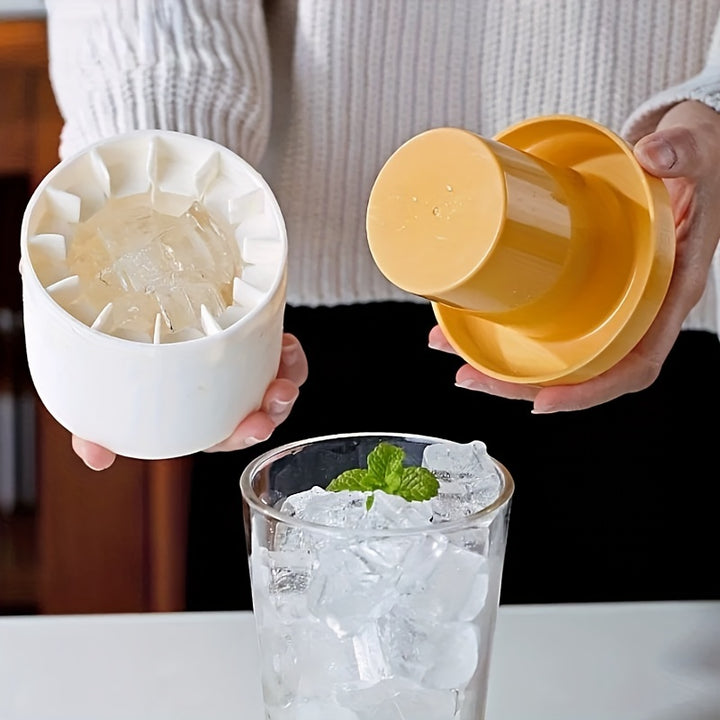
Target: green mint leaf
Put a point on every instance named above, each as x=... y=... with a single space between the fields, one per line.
x=417 y=483
x=385 y=472
x=369 y=502
x=385 y=462
x=357 y=479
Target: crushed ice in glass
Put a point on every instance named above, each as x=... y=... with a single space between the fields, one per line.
x=374 y=626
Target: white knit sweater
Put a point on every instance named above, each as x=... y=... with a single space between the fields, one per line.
x=318 y=93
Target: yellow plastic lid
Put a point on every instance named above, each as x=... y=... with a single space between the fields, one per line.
x=547 y=251
x=438 y=208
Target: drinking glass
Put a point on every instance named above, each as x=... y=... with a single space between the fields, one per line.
x=384 y=613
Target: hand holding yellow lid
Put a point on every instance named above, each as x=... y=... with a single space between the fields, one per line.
x=546 y=251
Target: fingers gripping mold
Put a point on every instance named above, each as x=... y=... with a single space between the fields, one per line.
x=154 y=287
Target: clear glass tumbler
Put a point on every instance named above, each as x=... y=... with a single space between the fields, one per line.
x=384 y=612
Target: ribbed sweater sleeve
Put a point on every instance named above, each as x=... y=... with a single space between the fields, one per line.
x=195 y=66
x=705 y=87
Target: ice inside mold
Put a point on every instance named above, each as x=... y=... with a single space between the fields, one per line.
x=150 y=245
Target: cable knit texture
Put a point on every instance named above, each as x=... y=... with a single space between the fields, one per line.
x=353 y=79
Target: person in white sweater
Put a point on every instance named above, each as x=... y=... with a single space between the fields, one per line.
x=318 y=93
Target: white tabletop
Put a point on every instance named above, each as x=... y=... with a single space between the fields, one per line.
x=636 y=661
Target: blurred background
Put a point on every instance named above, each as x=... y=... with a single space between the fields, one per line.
x=68 y=543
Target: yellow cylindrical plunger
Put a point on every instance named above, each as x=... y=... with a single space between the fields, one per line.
x=546 y=251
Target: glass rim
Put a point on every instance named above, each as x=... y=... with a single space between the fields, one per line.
x=250 y=497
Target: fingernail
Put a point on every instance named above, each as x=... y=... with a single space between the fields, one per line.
x=277 y=407
x=660 y=152
x=289 y=353
x=469 y=385
x=250 y=441
x=546 y=411
x=98 y=467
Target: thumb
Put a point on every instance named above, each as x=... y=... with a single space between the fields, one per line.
x=669 y=153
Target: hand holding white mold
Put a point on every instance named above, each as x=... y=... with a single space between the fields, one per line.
x=154 y=273
x=258 y=426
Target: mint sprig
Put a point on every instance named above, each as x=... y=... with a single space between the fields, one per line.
x=385 y=471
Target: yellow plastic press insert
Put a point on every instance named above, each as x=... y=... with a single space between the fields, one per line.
x=546 y=251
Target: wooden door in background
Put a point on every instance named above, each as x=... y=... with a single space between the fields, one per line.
x=104 y=542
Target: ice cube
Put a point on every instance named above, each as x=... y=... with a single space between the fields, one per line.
x=302 y=660
x=451 y=652
x=279 y=581
x=345 y=591
x=392 y=511
x=370 y=654
x=344 y=508
x=468 y=478
x=439 y=656
x=447 y=582
x=392 y=555
x=324 y=659
x=317 y=505
x=458 y=458
x=279 y=670
x=148 y=262
x=402 y=639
